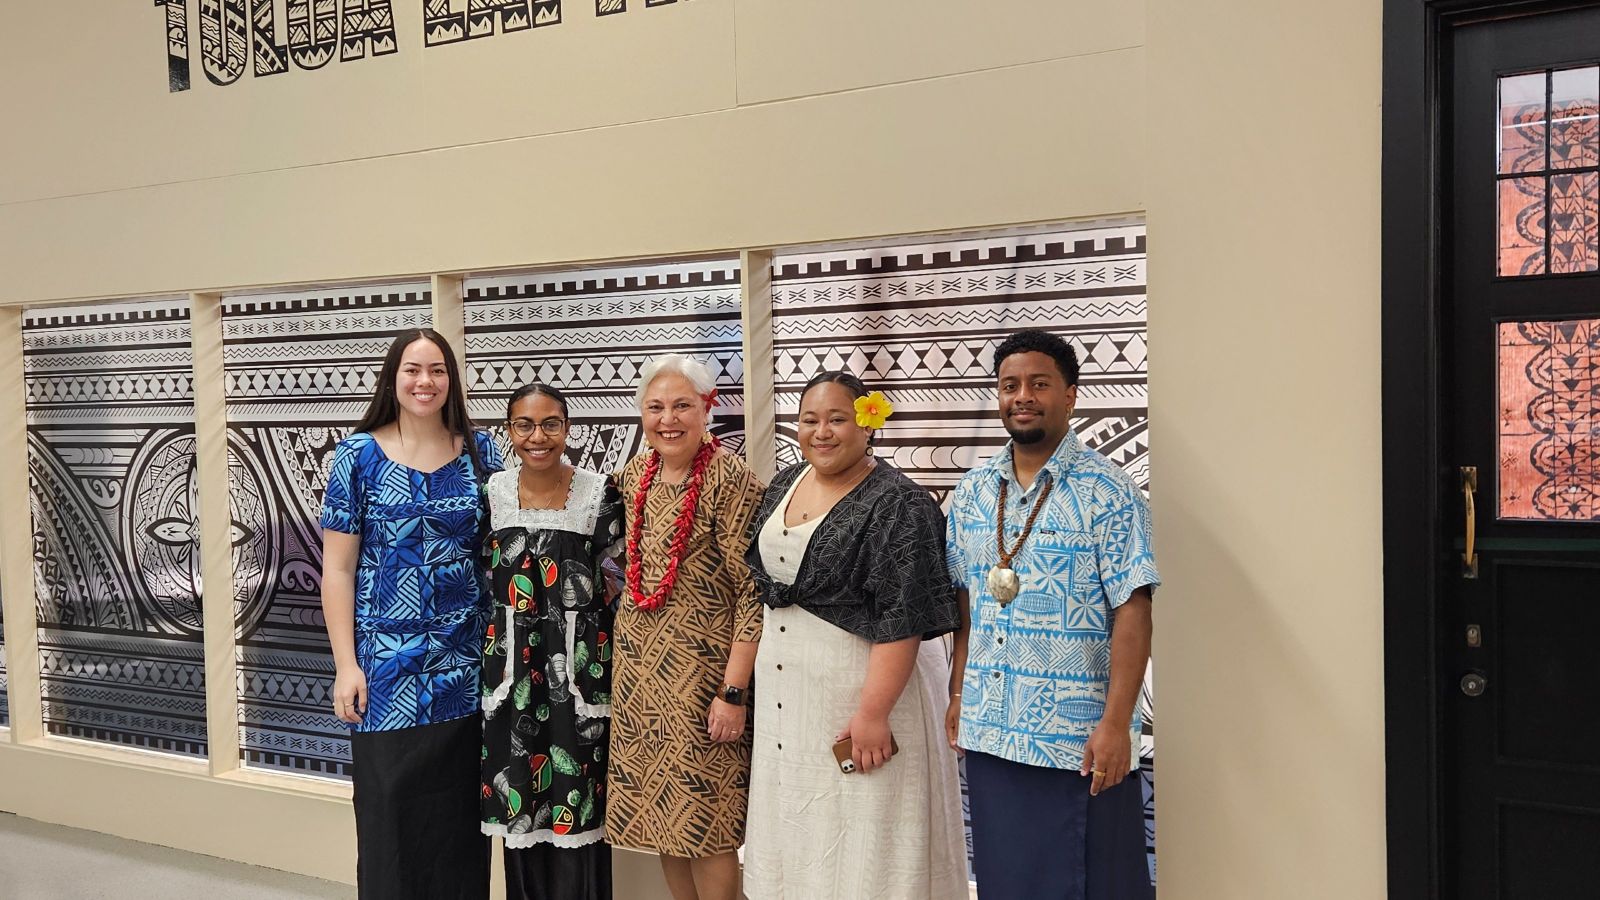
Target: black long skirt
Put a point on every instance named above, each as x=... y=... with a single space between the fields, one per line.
x=544 y=872
x=416 y=801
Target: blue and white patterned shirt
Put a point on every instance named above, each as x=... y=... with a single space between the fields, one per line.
x=419 y=628
x=1037 y=670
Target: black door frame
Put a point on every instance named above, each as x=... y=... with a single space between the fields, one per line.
x=1413 y=475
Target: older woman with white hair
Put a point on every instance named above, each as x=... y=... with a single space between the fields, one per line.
x=687 y=628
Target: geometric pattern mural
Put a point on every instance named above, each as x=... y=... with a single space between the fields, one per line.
x=1549 y=430
x=921 y=322
x=299 y=369
x=589 y=332
x=110 y=419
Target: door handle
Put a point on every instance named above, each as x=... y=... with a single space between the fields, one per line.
x=1473 y=684
x=1469 y=488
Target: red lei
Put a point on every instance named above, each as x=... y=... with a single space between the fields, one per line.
x=684 y=524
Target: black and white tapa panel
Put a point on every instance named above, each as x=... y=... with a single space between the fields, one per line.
x=921 y=323
x=110 y=405
x=300 y=369
x=589 y=333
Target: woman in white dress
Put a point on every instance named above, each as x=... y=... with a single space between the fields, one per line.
x=849 y=560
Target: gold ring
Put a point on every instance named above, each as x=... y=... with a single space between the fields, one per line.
x=1097 y=772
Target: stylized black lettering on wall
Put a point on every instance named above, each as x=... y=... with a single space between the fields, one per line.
x=223 y=45
x=271 y=57
x=177 y=45
x=367 y=24
x=611 y=7
x=440 y=25
x=313 y=32
x=443 y=24
x=513 y=15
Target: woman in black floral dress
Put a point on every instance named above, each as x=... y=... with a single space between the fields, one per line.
x=547 y=659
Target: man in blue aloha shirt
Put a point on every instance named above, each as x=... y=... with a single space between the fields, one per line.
x=1049 y=544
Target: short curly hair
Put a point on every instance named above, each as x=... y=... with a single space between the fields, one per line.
x=1035 y=341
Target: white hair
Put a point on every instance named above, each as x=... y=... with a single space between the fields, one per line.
x=698 y=374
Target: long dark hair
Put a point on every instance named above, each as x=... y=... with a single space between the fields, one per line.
x=385 y=407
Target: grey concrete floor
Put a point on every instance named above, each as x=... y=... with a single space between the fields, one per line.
x=49 y=862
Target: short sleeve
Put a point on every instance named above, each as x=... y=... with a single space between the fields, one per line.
x=904 y=554
x=610 y=536
x=1127 y=561
x=955 y=560
x=488 y=451
x=341 y=503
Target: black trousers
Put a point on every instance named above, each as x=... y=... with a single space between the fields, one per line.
x=416 y=801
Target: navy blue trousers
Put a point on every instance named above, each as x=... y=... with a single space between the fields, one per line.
x=1038 y=835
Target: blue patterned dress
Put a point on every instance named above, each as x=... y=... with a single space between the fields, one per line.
x=418 y=621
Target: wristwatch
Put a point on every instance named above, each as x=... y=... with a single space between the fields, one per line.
x=733 y=695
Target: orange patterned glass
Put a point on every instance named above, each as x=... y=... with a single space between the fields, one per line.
x=1574 y=95
x=1548 y=168
x=1522 y=226
x=1572 y=222
x=1549 y=428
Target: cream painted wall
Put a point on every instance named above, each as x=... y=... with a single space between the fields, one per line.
x=654 y=132
x=1264 y=411
x=1248 y=131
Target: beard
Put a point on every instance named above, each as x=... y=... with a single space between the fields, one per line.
x=1025 y=435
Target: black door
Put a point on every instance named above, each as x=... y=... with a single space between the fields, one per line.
x=1520 y=445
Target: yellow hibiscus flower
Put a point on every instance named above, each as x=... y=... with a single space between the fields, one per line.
x=873 y=410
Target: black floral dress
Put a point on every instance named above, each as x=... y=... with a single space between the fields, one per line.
x=547 y=665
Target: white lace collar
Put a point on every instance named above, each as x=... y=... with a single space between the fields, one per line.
x=578 y=515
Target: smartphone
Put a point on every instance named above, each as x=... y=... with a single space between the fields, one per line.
x=845 y=752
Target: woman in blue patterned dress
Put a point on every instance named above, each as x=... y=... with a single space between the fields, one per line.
x=400 y=521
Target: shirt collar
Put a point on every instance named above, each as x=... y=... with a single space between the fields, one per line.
x=1058 y=465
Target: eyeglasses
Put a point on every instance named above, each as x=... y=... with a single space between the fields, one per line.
x=552 y=426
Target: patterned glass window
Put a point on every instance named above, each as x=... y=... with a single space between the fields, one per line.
x=589 y=332
x=922 y=321
x=111 y=471
x=1548 y=160
x=1550 y=420
x=299 y=369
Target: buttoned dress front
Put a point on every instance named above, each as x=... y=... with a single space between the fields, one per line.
x=873 y=573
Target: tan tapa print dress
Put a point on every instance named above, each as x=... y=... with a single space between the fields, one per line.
x=672 y=790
